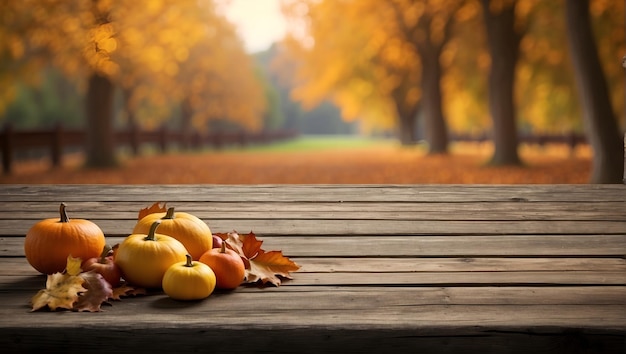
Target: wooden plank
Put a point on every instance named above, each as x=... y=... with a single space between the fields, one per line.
x=420 y=246
x=363 y=227
x=382 y=265
x=498 y=211
x=217 y=312
x=353 y=298
x=421 y=279
x=19 y=266
x=462 y=278
x=315 y=193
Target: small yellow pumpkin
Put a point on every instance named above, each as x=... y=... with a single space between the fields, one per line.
x=144 y=258
x=192 y=232
x=48 y=243
x=189 y=280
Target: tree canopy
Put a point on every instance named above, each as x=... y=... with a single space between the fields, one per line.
x=368 y=56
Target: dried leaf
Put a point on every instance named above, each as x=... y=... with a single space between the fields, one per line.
x=266 y=267
x=251 y=246
x=126 y=290
x=234 y=242
x=72 y=266
x=98 y=291
x=154 y=208
x=62 y=291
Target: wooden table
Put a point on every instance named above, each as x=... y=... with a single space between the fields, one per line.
x=521 y=269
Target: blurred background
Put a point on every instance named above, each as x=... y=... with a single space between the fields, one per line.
x=312 y=91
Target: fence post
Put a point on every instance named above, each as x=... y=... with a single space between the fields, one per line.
x=56 y=146
x=163 y=139
x=7 y=152
x=624 y=175
x=134 y=138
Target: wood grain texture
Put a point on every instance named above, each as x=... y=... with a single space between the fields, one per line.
x=489 y=269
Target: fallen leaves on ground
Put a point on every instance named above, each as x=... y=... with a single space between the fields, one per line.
x=385 y=164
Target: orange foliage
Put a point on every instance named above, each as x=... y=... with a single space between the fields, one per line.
x=380 y=164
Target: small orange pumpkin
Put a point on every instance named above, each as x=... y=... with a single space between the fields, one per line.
x=50 y=241
x=192 y=232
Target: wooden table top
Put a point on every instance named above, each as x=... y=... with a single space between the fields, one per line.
x=489 y=268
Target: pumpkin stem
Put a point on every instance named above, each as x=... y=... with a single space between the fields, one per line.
x=189 y=261
x=169 y=214
x=223 y=248
x=63 y=213
x=153 y=227
x=105 y=253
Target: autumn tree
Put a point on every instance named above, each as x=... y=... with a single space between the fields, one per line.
x=141 y=47
x=598 y=115
x=427 y=27
x=381 y=57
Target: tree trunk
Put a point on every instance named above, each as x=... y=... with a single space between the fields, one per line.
x=503 y=47
x=408 y=123
x=598 y=116
x=435 y=124
x=100 y=139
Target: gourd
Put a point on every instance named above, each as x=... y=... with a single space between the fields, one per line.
x=189 y=280
x=49 y=242
x=192 y=232
x=105 y=266
x=144 y=258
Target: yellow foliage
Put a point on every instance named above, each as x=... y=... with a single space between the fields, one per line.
x=145 y=46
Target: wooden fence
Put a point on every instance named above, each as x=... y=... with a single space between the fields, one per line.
x=56 y=140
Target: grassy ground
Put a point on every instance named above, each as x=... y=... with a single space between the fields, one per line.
x=321 y=160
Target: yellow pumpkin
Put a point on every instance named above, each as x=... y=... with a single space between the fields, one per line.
x=189 y=280
x=144 y=258
x=192 y=232
x=48 y=243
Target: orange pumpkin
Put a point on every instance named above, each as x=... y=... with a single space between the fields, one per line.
x=192 y=232
x=50 y=241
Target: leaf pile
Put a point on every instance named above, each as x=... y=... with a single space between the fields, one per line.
x=73 y=290
x=261 y=266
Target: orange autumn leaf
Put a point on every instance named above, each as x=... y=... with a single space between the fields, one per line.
x=267 y=267
x=154 y=208
x=251 y=246
x=261 y=266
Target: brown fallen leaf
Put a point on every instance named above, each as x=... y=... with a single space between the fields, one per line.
x=261 y=266
x=98 y=290
x=125 y=290
x=268 y=266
